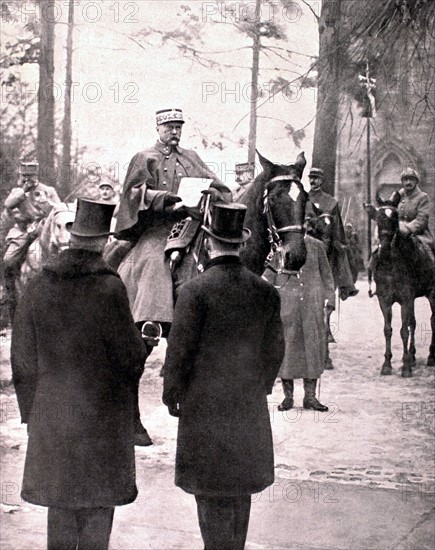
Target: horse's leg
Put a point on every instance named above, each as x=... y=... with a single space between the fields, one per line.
x=387 y=312
x=412 y=325
x=407 y=313
x=141 y=437
x=431 y=357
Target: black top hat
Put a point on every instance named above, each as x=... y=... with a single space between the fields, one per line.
x=227 y=223
x=92 y=218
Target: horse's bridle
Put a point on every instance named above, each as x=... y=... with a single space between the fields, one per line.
x=273 y=233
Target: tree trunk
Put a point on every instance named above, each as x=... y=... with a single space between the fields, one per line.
x=45 y=139
x=66 y=170
x=328 y=98
x=252 y=141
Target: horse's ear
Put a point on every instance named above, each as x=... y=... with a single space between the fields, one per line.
x=300 y=163
x=379 y=199
x=395 y=198
x=266 y=164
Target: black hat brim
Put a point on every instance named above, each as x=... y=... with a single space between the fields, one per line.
x=246 y=234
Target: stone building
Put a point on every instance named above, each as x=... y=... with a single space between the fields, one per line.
x=401 y=134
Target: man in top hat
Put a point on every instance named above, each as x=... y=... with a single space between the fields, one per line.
x=339 y=260
x=76 y=355
x=224 y=352
x=145 y=218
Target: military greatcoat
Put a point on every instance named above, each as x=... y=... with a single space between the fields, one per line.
x=144 y=218
x=224 y=352
x=338 y=259
x=302 y=312
x=414 y=210
x=75 y=356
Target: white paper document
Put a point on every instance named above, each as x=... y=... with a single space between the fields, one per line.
x=190 y=190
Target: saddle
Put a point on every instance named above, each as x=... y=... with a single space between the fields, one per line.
x=186 y=252
x=182 y=235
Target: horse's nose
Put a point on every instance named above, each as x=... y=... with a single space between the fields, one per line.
x=296 y=255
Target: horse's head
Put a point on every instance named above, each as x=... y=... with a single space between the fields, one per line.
x=387 y=216
x=387 y=219
x=54 y=236
x=284 y=200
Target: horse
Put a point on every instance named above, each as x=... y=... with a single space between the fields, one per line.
x=402 y=272
x=53 y=238
x=275 y=215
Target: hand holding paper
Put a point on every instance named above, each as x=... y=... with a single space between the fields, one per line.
x=190 y=191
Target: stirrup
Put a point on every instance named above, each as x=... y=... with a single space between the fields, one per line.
x=151 y=333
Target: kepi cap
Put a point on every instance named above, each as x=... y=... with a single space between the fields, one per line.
x=227 y=223
x=29 y=168
x=317 y=172
x=106 y=184
x=92 y=218
x=169 y=115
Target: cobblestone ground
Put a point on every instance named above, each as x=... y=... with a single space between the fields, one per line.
x=378 y=431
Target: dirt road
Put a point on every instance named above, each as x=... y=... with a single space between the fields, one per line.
x=377 y=435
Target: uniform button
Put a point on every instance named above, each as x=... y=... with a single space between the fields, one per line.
x=164 y=183
x=180 y=174
x=301 y=299
x=302 y=284
x=167 y=156
x=177 y=163
x=165 y=169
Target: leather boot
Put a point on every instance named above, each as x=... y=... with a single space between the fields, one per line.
x=287 y=386
x=310 y=401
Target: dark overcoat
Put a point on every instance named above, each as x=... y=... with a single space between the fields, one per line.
x=302 y=312
x=224 y=352
x=75 y=356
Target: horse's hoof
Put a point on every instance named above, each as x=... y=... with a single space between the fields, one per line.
x=406 y=372
x=386 y=370
x=430 y=361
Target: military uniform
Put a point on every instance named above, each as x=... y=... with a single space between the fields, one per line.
x=338 y=260
x=414 y=211
x=146 y=219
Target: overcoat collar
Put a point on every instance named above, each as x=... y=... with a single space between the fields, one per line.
x=230 y=260
x=166 y=149
x=75 y=263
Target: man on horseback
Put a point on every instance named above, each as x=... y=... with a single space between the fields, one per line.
x=145 y=218
x=25 y=209
x=414 y=209
x=339 y=260
x=147 y=214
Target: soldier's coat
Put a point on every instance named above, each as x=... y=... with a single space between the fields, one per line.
x=142 y=217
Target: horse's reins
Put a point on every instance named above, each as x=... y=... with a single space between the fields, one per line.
x=273 y=235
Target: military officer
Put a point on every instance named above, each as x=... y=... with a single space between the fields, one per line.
x=414 y=208
x=145 y=218
x=328 y=205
